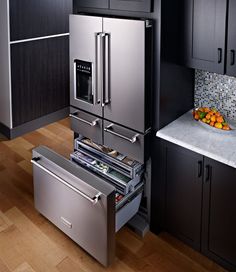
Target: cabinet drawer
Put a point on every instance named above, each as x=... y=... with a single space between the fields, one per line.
x=87 y=125
x=125 y=140
x=80 y=203
x=132 y=5
x=92 y=3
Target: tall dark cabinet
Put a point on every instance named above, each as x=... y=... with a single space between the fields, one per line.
x=34 y=54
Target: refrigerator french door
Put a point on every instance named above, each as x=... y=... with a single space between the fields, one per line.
x=109 y=65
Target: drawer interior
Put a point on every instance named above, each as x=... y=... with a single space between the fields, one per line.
x=122 y=172
x=120 y=162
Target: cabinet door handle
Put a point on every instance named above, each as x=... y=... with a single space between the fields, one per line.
x=199 y=169
x=232 y=57
x=219 y=55
x=207 y=173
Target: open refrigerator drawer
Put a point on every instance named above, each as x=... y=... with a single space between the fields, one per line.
x=80 y=203
x=122 y=172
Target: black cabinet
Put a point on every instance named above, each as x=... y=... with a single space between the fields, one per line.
x=231 y=46
x=30 y=18
x=40 y=78
x=183 y=194
x=219 y=221
x=204 y=34
x=92 y=3
x=199 y=198
x=131 y=5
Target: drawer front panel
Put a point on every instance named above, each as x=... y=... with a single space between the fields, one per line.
x=88 y=125
x=68 y=204
x=124 y=140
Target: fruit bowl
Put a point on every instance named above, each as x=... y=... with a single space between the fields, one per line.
x=212 y=119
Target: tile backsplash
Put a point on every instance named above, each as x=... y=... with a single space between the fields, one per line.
x=214 y=90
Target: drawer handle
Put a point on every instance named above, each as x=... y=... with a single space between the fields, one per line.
x=92 y=124
x=131 y=140
x=93 y=200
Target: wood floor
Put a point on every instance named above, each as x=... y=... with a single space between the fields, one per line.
x=28 y=242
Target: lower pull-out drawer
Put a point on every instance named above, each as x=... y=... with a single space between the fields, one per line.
x=80 y=203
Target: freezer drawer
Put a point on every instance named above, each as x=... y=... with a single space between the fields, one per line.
x=80 y=203
x=125 y=140
x=86 y=124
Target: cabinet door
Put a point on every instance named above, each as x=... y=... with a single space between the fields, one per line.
x=219 y=221
x=183 y=194
x=40 y=78
x=30 y=18
x=131 y=5
x=231 y=53
x=92 y=3
x=204 y=34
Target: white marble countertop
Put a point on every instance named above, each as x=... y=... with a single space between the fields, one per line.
x=188 y=133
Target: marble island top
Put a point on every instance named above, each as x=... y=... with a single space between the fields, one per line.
x=188 y=133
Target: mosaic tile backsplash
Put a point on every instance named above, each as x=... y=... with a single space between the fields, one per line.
x=214 y=90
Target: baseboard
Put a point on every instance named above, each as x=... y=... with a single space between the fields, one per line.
x=33 y=125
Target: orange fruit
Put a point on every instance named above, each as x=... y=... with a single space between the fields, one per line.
x=196 y=116
x=206 y=109
x=218 y=125
x=218 y=114
x=212 y=124
x=208 y=116
x=226 y=127
x=220 y=119
x=213 y=118
x=211 y=112
x=201 y=109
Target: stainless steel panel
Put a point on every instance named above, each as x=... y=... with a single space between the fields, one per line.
x=5 y=67
x=83 y=46
x=128 y=211
x=122 y=139
x=87 y=124
x=126 y=73
x=57 y=195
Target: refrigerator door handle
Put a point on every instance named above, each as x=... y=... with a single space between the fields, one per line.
x=132 y=140
x=94 y=200
x=92 y=124
x=106 y=96
x=99 y=67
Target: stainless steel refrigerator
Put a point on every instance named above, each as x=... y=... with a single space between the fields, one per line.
x=110 y=78
x=99 y=189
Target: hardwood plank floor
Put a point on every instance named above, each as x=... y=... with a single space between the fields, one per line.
x=30 y=243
